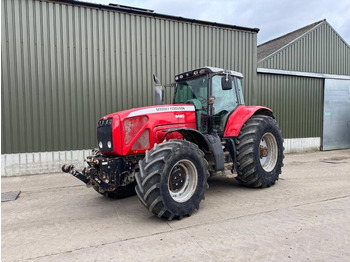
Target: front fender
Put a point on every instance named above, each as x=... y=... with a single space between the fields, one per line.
x=210 y=144
x=192 y=135
x=242 y=113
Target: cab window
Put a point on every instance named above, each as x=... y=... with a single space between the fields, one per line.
x=224 y=103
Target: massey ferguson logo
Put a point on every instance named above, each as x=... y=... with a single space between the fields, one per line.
x=177 y=108
x=155 y=110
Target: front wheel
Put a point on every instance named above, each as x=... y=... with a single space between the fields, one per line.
x=172 y=179
x=259 y=152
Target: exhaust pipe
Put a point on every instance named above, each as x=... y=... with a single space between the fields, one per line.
x=158 y=91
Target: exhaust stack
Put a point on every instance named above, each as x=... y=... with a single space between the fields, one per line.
x=158 y=91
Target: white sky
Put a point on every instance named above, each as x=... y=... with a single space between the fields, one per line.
x=273 y=17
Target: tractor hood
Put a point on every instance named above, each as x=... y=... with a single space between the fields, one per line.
x=136 y=130
x=150 y=110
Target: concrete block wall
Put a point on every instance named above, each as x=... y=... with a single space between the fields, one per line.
x=51 y=162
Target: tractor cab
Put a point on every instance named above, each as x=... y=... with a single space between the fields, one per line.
x=214 y=92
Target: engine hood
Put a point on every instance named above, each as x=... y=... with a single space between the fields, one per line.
x=150 y=110
x=133 y=129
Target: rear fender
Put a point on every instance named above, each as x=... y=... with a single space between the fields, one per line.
x=242 y=113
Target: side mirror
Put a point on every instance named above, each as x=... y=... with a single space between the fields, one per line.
x=226 y=82
x=158 y=91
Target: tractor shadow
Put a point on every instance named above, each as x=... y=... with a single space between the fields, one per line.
x=222 y=189
x=224 y=184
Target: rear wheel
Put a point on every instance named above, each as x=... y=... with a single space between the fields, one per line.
x=259 y=152
x=172 y=179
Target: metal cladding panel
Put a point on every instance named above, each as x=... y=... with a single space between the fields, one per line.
x=336 y=115
x=297 y=103
x=321 y=50
x=64 y=66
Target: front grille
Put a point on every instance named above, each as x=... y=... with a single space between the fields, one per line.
x=104 y=135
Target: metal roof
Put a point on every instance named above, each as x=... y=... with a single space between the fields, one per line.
x=268 y=48
x=316 y=48
x=148 y=12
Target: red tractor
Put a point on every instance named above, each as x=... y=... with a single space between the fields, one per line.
x=167 y=152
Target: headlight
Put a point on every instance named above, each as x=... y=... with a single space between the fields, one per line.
x=132 y=126
x=142 y=142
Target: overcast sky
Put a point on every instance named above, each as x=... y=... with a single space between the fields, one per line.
x=273 y=17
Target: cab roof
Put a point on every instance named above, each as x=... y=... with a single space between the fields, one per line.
x=206 y=70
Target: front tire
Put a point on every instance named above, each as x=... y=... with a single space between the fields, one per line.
x=259 y=152
x=172 y=179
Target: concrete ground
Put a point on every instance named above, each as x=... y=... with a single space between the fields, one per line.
x=304 y=217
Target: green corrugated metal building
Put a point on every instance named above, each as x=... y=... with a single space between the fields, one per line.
x=67 y=63
x=291 y=78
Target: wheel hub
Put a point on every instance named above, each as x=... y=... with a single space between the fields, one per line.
x=182 y=181
x=177 y=179
x=263 y=151
x=268 y=152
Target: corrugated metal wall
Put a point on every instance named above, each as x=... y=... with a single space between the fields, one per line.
x=297 y=103
x=321 y=50
x=64 y=66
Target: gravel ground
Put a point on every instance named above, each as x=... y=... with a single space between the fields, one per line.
x=304 y=217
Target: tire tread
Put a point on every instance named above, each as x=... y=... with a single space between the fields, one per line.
x=150 y=174
x=248 y=172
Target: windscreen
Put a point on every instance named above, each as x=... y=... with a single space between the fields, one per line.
x=194 y=91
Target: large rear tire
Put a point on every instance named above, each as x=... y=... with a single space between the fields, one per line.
x=259 y=152
x=172 y=179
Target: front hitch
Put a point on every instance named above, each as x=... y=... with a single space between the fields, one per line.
x=89 y=176
x=80 y=175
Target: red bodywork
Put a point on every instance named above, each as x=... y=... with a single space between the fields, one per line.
x=136 y=130
x=239 y=117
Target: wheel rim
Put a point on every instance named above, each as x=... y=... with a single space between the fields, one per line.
x=183 y=180
x=268 y=152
